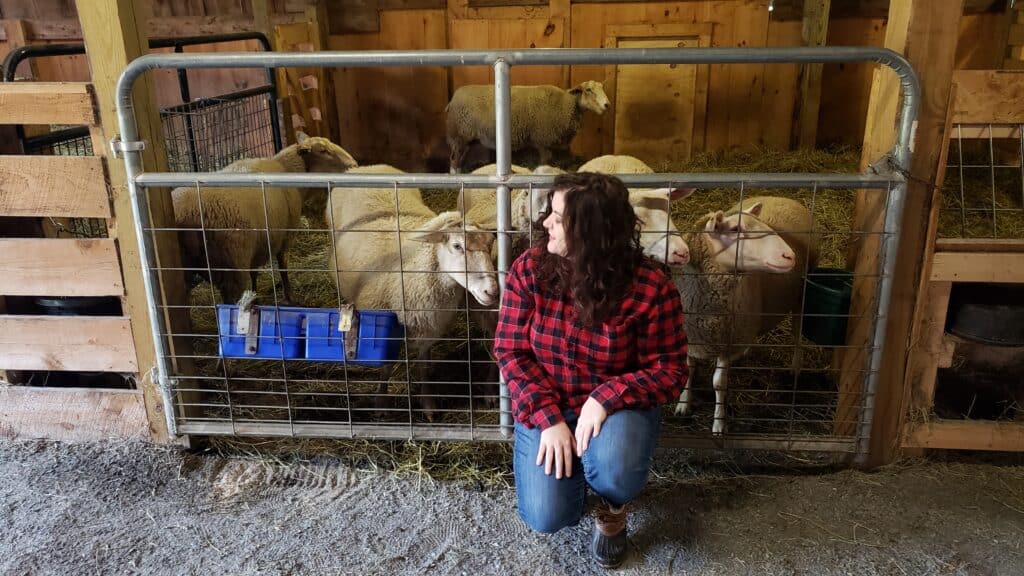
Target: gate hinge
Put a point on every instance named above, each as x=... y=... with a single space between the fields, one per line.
x=118 y=147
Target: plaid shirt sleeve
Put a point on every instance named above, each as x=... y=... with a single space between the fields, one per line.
x=661 y=348
x=532 y=391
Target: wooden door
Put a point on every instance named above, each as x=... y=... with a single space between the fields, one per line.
x=659 y=110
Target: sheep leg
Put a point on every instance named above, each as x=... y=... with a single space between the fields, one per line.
x=721 y=382
x=686 y=398
x=427 y=400
x=458 y=155
x=282 y=262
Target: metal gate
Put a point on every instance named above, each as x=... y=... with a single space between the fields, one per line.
x=220 y=393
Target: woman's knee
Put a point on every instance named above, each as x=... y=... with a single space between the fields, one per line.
x=549 y=519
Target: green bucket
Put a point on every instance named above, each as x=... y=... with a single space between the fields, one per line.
x=827 y=305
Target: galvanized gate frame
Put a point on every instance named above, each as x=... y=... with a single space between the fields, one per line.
x=504 y=181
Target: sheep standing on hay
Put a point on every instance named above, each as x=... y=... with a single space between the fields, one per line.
x=239 y=213
x=543 y=117
x=659 y=236
x=425 y=278
x=745 y=275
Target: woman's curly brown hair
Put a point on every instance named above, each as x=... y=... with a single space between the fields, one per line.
x=602 y=238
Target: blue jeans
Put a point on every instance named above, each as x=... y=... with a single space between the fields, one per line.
x=615 y=466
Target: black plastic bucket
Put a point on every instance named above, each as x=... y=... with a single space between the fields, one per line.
x=988 y=313
x=827 y=305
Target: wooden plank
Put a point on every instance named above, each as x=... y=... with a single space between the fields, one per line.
x=923 y=31
x=814 y=32
x=17 y=36
x=73 y=186
x=164 y=27
x=779 y=93
x=978 y=267
x=989 y=97
x=71 y=414
x=114 y=36
x=986 y=131
x=966 y=435
x=498 y=3
x=78 y=343
x=930 y=349
x=979 y=245
x=929 y=321
x=414 y=4
x=1016 y=35
x=59 y=267
x=47 y=103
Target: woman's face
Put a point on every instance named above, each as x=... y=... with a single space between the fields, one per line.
x=553 y=225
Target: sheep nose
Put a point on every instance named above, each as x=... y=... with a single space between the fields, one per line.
x=788 y=256
x=679 y=256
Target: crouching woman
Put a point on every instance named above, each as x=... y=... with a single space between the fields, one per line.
x=590 y=341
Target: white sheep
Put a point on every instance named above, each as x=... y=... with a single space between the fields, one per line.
x=422 y=272
x=659 y=235
x=237 y=223
x=543 y=117
x=745 y=275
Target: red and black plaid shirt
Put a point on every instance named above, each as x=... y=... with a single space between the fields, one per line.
x=637 y=359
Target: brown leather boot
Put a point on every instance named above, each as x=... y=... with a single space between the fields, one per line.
x=609 y=546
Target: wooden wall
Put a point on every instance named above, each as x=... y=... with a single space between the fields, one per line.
x=397 y=115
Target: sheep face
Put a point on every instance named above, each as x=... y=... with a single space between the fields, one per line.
x=321 y=155
x=590 y=96
x=464 y=254
x=659 y=235
x=744 y=243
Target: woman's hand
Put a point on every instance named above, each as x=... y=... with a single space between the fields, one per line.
x=589 y=424
x=556 y=447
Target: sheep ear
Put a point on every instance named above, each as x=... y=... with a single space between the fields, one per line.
x=680 y=193
x=430 y=236
x=754 y=209
x=576 y=91
x=715 y=221
x=437 y=229
x=301 y=137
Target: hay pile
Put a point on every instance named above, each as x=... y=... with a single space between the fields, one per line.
x=761 y=400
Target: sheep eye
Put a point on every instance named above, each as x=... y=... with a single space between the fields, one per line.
x=735 y=228
x=457 y=247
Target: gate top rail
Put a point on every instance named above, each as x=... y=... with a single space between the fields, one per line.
x=518 y=181
x=549 y=56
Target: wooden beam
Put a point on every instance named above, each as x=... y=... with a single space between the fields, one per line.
x=966 y=435
x=71 y=414
x=979 y=245
x=166 y=27
x=78 y=343
x=989 y=97
x=18 y=36
x=59 y=267
x=319 y=34
x=73 y=186
x=114 y=36
x=978 y=267
x=925 y=32
x=814 y=33
x=47 y=103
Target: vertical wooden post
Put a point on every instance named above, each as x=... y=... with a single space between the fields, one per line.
x=319 y=36
x=814 y=33
x=925 y=32
x=263 y=13
x=114 y=33
x=17 y=36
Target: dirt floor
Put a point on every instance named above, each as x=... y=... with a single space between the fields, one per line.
x=142 y=509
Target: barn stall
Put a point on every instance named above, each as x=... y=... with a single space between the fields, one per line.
x=788 y=393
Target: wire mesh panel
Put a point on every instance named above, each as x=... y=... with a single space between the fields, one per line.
x=767 y=291
x=208 y=134
x=983 y=193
